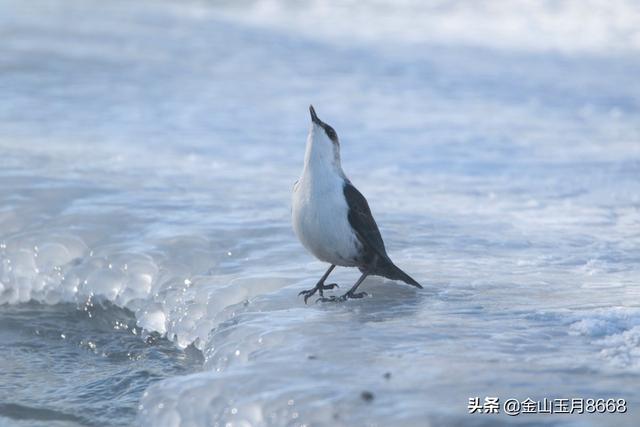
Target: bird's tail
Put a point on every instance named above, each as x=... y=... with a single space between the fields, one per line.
x=393 y=272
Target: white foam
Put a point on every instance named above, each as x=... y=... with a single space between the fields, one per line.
x=616 y=333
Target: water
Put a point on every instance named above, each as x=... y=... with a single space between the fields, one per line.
x=148 y=271
x=57 y=359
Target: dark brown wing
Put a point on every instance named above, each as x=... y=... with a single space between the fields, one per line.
x=362 y=221
x=367 y=231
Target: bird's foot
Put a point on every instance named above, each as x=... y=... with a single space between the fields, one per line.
x=343 y=298
x=355 y=295
x=320 y=288
x=329 y=286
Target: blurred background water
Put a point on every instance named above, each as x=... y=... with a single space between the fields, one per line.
x=148 y=271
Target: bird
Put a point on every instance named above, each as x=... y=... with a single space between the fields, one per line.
x=332 y=219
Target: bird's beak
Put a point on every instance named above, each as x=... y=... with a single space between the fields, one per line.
x=314 y=117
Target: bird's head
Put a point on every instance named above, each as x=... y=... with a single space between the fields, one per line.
x=322 y=144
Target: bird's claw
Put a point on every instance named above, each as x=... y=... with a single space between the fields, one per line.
x=308 y=294
x=318 y=288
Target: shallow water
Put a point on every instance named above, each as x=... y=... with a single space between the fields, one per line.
x=148 y=271
x=80 y=367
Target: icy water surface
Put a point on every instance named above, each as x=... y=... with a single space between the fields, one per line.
x=148 y=271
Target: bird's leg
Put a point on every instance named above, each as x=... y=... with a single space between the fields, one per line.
x=351 y=294
x=320 y=286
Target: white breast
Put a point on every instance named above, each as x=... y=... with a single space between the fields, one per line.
x=320 y=219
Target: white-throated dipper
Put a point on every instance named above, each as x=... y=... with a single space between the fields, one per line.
x=332 y=218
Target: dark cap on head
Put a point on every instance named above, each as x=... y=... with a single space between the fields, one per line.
x=331 y=133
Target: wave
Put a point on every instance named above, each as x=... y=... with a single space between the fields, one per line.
x=61 y=268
